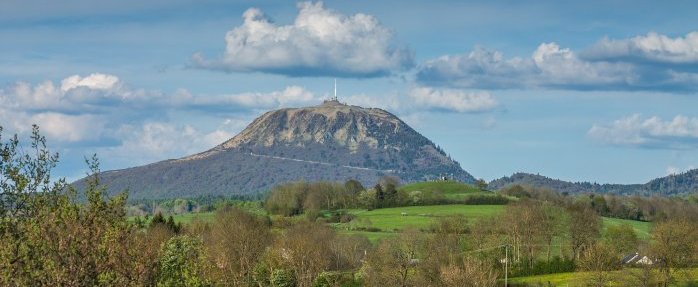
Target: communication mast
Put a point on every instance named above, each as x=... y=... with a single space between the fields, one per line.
x=335 y=91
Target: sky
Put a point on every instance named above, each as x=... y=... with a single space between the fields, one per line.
x=598 y=91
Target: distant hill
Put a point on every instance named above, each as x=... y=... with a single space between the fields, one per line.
x=677 y=184
x=331 y=141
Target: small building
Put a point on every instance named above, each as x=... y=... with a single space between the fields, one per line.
x=636 y=259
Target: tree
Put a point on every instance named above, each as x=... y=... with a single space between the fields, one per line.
x=621 y=239
x=234 y=243
x=449 y=238
x=469 y=273
x=23 y=179
x=584 y=228
x=394 y=262
x=51 y=237
x=528 y=225
x=481 y=184
x=380 y=196
x=598 y=259
x=305 y=250
x=286 y=199
x=674 y=244
x=353 y=186
x=180 y=262
x=391 y=197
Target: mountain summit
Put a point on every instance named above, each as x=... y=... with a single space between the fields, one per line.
x=331 y=141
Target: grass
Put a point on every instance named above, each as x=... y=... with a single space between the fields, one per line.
x=373 y=237
x=642 y=228
x=446 y=187
x=573 y=278
x=391 y=219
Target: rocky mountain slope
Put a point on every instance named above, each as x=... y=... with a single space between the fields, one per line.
x=676 y=184
x=331 y=141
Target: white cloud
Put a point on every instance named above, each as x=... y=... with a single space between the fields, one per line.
x=95 y=81
x=55 y=126
x=391 y=102
x=452 y=100
x=75 y=94
x=291 y=95
x=650 y=62
x=153 y=141
x=549 y=66
x=69 y=128
x=319 y=42
x=652 y=47
x=679 y=133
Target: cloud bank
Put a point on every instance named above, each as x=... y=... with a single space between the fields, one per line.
x=320 y=42
x=452 y=100
x=681 y=132
x=650 y=48
x=651 y=62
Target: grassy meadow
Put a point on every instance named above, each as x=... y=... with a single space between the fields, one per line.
x=385 y=222
x=683 y=276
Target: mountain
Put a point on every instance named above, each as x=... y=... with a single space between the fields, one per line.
x=675 y=184
x=331 y=141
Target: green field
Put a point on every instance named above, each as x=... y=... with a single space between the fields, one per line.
x=573 y=278
x=392 y=219
x=446 y=187
x=449 y=189
x=385 y=222
x=642 y=228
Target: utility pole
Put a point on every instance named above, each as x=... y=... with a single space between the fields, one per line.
x=506 y=265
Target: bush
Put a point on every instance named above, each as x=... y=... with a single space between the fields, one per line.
x=540 y=267
x=180 y=262
x=486 y=200
x=282 y=278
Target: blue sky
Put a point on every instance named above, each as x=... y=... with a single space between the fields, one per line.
x=601 y=91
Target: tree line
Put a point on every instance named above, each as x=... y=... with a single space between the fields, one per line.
x=654 y=208
x=311 y=198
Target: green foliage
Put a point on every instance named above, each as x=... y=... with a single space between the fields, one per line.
x=169 y=223
x=180 y=263
x=302 y=197
x=622 y=239
x=47 y=236
x=556 y=265
x=282 y=278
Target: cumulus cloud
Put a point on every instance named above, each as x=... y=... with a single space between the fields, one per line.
x=651 y=62
x=94 y=81
x=92 y=108
x=319 y=42
x=549 y=66
x=291 y=95
x=152 y=141
x=681 y=132
x=55 y=126
x=652 y=47
x=452 y=100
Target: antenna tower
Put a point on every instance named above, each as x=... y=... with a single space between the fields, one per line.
x=335 y=90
